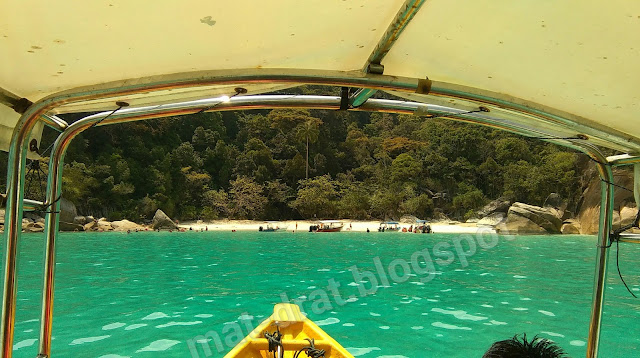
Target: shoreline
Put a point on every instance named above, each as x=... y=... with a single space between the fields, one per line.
x=303 y=226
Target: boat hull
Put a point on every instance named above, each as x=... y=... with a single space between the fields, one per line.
x=295 y=329
x=333 y=229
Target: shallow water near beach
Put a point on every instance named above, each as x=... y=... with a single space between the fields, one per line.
x=148 y=294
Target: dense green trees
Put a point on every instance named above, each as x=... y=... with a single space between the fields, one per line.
x=291 y=163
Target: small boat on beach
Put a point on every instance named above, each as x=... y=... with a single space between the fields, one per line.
x=327 y=226
x=422 y=227
x=389 y=226
x=271 y=226
x=288 y=333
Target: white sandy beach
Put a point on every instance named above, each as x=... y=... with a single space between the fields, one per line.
x=303 y=225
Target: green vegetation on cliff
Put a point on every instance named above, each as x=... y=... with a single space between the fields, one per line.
x=287 y=163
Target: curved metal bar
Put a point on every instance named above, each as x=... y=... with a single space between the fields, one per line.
x=604 y=230
x=55 y=122
x=13 y=227
x=623 y=159
x=18 y=148
x=544 y=113
x=236 y=103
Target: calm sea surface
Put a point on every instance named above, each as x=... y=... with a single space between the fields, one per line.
x=149 y=294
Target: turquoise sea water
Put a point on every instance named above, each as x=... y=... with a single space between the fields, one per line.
x=148 y=294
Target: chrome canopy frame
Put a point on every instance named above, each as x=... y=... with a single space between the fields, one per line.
x=116 y=91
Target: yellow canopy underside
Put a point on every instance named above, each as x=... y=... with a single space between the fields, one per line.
x=580 y=57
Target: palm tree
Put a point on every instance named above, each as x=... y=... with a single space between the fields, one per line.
x=309 y=131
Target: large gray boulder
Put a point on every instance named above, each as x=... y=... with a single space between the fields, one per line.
x=627 y=216
x=500 y=205
x=570 y=227
x=531 y=219
x=493 y=219
x=589 y=210
x=68 y=213
x=162 y=221
x=124 y=225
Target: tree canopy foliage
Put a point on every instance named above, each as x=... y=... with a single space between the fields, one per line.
x=292 y=163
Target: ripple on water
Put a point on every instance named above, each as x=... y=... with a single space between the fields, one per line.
x=459 y=314
x=134 y=326
x=497 y=323
x=547 y=313
x=449 y=326
x=204 y=315
x=328 y=321
x=361 y=351
x=577 y=343
x=158 y=346
x=155 y=315
x=374 y=314
x=113 y=326
x=113 y=356
x=553 y=334
x=25 y=343
x=384 y=327
x=173 y=323
x=88 y=340
x=519 y=276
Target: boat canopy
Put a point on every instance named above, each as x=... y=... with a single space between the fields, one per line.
x=579 y=58
x=390 y=223
x=562 y=71
x=331 y=221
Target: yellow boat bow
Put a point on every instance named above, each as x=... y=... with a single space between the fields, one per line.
x=297 y=335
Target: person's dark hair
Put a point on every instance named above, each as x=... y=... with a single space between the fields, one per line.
x=521 y=348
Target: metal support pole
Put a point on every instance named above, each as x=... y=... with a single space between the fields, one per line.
x=52 y=222
x=54 y=122
x=604 y=230
x=13 y=225
x=408 y=10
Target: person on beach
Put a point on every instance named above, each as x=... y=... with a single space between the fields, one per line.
x=521 y=348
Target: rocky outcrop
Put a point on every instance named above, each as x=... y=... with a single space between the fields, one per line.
x=570 y=227
x=493 y=219
x=68 y=212
x=408 y=219
x=162 y=221
x=530 y=219
x=125 y=225
x=500 y=205
x=626 y=216
x=589 y=210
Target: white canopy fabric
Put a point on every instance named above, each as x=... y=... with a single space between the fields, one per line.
x=575 y=56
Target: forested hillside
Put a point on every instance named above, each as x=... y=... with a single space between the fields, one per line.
x=360 y=165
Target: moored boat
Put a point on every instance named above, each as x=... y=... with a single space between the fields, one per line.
x=389 y=226
x=327 y=226
x=288 y=333
x=271 y=226
x=422 y=227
